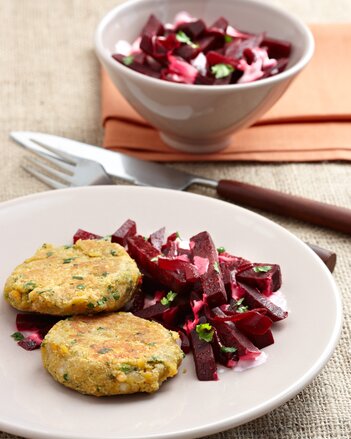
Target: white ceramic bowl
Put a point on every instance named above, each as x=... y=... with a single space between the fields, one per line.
x=198 y=118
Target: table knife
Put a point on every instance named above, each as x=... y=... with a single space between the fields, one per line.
x=158 y=175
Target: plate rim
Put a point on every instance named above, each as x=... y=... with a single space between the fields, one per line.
x=226 y=423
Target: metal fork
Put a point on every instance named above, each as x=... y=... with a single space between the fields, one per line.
x=60 y=170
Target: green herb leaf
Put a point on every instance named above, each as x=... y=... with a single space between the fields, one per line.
x=102 y=301
x=80 y=287
x=228 y=38
x=154 y=359
x=128 y=60
x=228 y=349
x=182 y=37
x=116 y=296
x=262 y=268
x=105 y=273
x=240 y=307
x=220 y=250
x=113 y=252
x=168 y=298
x=100 y=328
x=18 y=336
x=29 y=286
x=222 y=70
x=78 y=277
x=65 y=376
x=90 y=305
x=48 y=254
x=205 y=331
x=67 y=260
x=126 y=368
x=216 y=267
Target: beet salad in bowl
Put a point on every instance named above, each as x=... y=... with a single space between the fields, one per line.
x=199 y=70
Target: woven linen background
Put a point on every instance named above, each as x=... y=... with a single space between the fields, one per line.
x=49 y=81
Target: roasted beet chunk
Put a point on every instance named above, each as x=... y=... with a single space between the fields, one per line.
x=193 y=29
x=146 y=257
x=265 y=277
x=231 y=336
x=83 y=234
x=261 y=341
x=211 y=281
x=31 y=342
x=205 y=363
x=152 y=27
x=121 y=235
x=257 y=300
x=157 y=238
x=152 y=312
x=276 y=49
x=226 y=355
x=35 y=322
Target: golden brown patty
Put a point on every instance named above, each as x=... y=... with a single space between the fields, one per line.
x=111 y=354
x=88 y=277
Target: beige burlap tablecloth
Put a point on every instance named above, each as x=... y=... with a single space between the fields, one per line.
x=49 y=81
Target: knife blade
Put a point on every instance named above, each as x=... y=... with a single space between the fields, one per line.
x=153 y=174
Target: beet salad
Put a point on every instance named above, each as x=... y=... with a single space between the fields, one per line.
x=188 y=51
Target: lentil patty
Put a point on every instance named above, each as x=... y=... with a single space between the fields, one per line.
x=112 y=354
x=88 y=277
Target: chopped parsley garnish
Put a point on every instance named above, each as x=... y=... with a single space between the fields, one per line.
x=168 y=298
x=90 y=305
x=126 y=368
x=240 y=307
x=205 y=331
x=105 y=273
x=228 y=350
x=222 y=70
x=102 y=301
x=68 y=260
x=220 y=250
x=65 y=376
x=48 y=254
x=104 y=350
x=116 y=296
x=78 y=277
x=262 y=268
x=216 y=267
x=228 y=38
x=128 y=60
x=154 y=359
x=29 y=286
x=67 y=246
x=18 y=336
x=113 y=252
x=100 y=328
x=182 y=37
x=80 y=287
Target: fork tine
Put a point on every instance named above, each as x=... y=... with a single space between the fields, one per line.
x=56 y=161
x=47 y=180
x=64 y=155
x=51 y=171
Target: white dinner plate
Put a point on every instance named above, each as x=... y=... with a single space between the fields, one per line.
x=33 y=405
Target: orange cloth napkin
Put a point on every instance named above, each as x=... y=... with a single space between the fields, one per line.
x=311 y=122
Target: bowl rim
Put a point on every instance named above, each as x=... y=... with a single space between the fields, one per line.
x=290 y=72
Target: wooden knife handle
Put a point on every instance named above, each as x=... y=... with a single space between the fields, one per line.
x=327 y=256
x=321 y=214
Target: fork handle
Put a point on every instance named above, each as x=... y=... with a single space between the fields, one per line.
x=315 y=212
